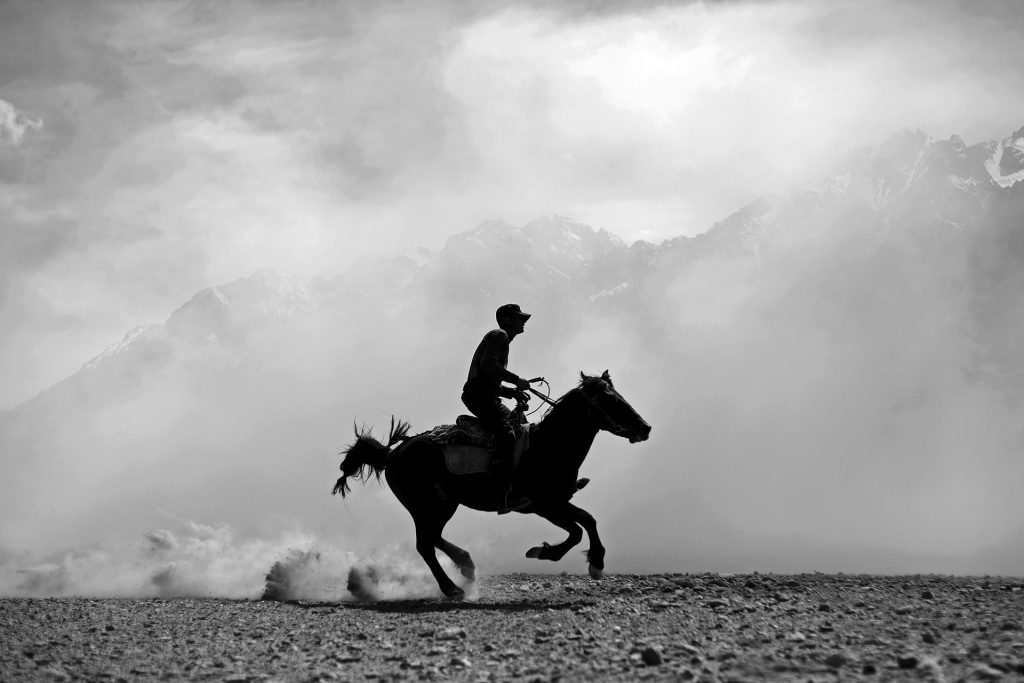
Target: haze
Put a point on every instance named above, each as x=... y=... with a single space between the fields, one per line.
x=152 y=149
x=149 y=150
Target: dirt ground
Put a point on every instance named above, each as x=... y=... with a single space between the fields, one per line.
x=707 y=627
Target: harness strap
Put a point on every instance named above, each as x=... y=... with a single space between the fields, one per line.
x=594 y=406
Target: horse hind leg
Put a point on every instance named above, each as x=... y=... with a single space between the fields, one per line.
x=429 y=513
x=428 y=536
x=460 y=557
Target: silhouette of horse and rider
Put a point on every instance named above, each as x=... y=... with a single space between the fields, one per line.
x=498 y=462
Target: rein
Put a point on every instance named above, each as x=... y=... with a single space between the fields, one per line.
x=541 y=396
x=594 y=405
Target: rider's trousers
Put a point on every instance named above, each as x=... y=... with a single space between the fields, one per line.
x=496 y=418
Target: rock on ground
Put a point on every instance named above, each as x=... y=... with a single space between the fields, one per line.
x=705 y=627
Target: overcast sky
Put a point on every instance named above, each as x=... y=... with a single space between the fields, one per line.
x=149 y=149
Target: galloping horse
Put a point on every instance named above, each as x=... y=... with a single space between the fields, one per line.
x=415 y=470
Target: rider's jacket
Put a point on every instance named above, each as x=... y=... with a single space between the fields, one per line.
x=489 y=367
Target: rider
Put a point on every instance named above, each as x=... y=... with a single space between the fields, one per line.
x=483 y=392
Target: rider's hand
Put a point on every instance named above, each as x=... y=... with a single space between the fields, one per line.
x=522 y=397
x=522 y=384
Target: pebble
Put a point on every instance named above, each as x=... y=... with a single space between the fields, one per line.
x=907 y=662
x=451 y=633
x=837 y=660
x=983 y=672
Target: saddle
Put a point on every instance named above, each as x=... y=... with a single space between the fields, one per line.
x=469 y=448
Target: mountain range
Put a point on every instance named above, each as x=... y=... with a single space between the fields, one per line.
x=904 y=264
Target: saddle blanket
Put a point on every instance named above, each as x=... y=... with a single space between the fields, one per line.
x=468 y=449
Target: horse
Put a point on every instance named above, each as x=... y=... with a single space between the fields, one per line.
x=415 y=470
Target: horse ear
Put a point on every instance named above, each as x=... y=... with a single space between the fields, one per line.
x=606 y=377
x=582 y=376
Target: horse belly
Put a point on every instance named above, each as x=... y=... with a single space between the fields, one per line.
x=467 y=459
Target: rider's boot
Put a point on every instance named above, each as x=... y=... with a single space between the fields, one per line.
x=508 y=500
x=512 y=501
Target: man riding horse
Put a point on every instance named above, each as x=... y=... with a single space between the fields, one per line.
x=483 y=391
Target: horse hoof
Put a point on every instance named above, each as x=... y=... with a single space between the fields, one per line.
x=456 y=594
x=534 y=553
x=468 y=572
x=596 y=573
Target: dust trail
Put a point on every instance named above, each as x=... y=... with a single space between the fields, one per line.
x=213 y=561
x=326 y=575
x=375 y=580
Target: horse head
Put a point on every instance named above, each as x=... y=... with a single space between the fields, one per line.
x=609 y=411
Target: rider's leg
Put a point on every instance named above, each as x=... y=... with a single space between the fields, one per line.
x=495 y=417
x=509 y=498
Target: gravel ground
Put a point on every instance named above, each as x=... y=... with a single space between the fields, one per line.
x=706 y=627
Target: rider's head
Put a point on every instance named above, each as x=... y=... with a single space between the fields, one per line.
x=511 y=318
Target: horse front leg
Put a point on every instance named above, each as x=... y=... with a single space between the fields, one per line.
x=595 y=555
x=561 y=517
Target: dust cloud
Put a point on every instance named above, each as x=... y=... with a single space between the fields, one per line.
x=213 y=561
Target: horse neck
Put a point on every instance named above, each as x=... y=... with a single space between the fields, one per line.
x=564 y=431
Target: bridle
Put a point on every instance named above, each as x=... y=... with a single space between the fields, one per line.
x=593 y=406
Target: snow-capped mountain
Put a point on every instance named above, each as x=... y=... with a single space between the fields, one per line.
x=265 y=297
x=547 y=262
x=1005 y=163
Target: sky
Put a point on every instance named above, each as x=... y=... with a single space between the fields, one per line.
x=150 y=149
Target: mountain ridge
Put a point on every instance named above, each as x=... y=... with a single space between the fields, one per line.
x=899 y=174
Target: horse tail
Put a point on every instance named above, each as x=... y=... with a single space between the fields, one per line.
x=367 y=456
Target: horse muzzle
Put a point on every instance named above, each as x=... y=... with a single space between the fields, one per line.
x=641 y=435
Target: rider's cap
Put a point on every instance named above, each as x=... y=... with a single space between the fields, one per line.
x=510 y=310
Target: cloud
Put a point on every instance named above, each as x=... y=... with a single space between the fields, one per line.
x=15 y=124
x=305 y=135
x=706 y=106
